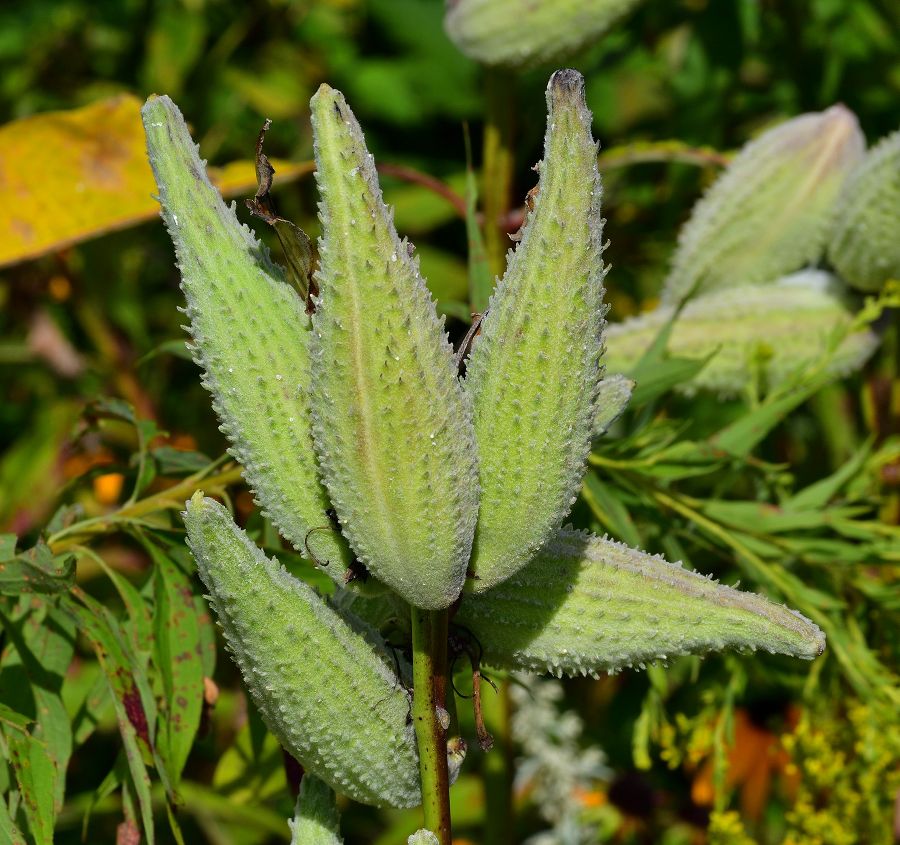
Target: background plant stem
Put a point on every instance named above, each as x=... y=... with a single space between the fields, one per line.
x=429 y=640
x=499 y=162
x=497 y=772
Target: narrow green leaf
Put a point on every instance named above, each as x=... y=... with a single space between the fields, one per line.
x=586 y=605
x=316 y=820
x=9 y=832
x=177 y=654
x=481 y=282
x=391 y=423
x=325 y=687
x=250 y=335
x=35 y=771
x=534 y=372
x=818 y=494
x=36 y=571
x=134 y=711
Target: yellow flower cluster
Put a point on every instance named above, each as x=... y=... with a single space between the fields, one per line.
x=848 y=770
x=727 y=829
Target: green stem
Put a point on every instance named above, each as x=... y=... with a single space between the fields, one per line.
x=429 y=640
x=499 y=162
x=498 y=766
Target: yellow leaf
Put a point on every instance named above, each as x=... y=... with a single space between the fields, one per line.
x=69 y=176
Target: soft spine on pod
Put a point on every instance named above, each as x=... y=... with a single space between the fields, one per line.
x=586 y=605
x=770 y=331
x=391 y=424
x=324 y=684
x=865 y=244
x=250 y=335
x=517 y=34
x=316 y=819
x=534 y=372
x=770 y=211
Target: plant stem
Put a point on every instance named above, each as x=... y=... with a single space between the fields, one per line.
x=498 y=164
x=498 y=767
x=429 y=641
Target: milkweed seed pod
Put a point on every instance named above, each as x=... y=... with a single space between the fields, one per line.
x=325 y=686
x=534 y=371
x=422 y=837
x=771 y=331
x=391 y=424
x=865 y=245
x=586 y=605
x=770 y=212
x=519 y=35
x=250 y=335
x=613 y=397
x=316 y=820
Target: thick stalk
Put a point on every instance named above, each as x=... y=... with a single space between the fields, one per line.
x=499 y=162
x=498 y=766
x=429 y=639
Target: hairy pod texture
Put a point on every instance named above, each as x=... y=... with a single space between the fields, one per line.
x=769 y=331
x=771 y=210
x=324 y=683
x=250 y=335
x=865 y=243
x=518 y=35
x=534 y=372
x=613 y=396
x=392 y=426
x=586 y=605
x=422 y=837
x=316 y=819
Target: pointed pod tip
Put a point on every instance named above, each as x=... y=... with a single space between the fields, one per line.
x=566 y=81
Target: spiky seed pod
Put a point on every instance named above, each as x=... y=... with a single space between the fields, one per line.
x=422 y=837
x=323 y=682
x=865 y=244
x=391 y=424
x=586 y=605
x=770 y=212
x=534 y=371
x=250 y=334
x=316 y=819
x=770 y=331
x=613 y=397
x=519 y=35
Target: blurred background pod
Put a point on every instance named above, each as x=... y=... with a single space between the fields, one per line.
x=316 y=819
x=323 y=682
x=761 y=333
x=770 y=212
x=391 y=423
x=250 y=334
x=519 y=34
x=865 y=244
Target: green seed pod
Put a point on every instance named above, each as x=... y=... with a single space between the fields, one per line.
x=323 y=682
x=770 y=212
x=586 y=605
x=519 y=35
x=316 y=819
x=612 y=400
x=250 y=336
x=865 y=244
x=391 y=423
x=766 y=331
x=534 y=371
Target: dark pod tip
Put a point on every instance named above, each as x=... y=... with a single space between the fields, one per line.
x=567 y=81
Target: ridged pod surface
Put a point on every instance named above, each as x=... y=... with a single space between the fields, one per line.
x=865 y=243
x=391 y=423
x=517 y=34
x=586 y=605
x=534 y=371
x=250 y=334
x=613 y=397
x=316 y=819
x=771 y=210
x=772 y=330
x=325 y=690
